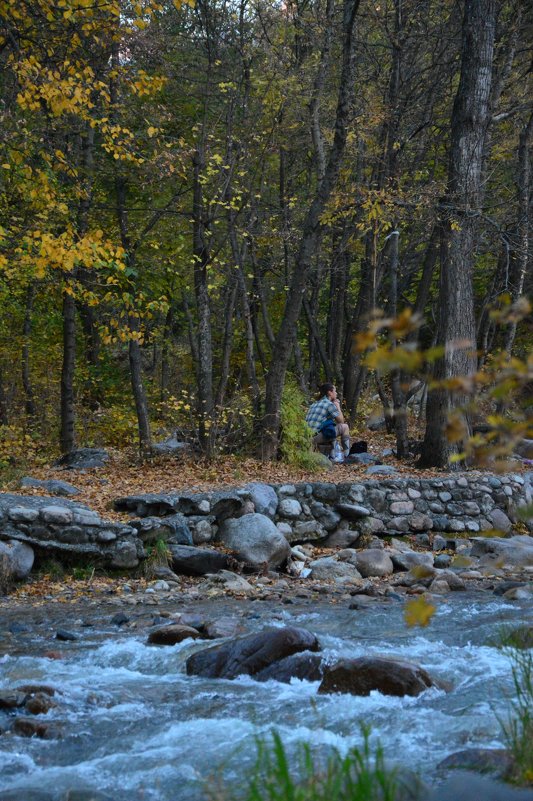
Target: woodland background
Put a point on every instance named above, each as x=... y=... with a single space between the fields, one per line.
x=203 y=203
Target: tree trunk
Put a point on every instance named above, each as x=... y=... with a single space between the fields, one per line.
x=204 y=365
x=459 y=213
x=29 y=399
x=4 y=417
x=67 y=437
x=285 y=338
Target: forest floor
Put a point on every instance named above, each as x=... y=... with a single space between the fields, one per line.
x=125 y=474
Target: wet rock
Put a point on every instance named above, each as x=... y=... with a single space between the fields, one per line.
x=40 y=704
x=11 y=699
x=388 y=676
x=303 y=665
x=172 y=634
x=16 y=559
x=374 y=562
x=465 y=785
x=255 y=539
x=263 y=497
x=66 y=636
x=497 y=761
x=29 y=795
x=519 y=594
x=120 y=619
x=188 y=560
x=252 y=654
x=83 y=459
x=32 y=727
x=32 y=689
x=53 y=486
x=223 y=627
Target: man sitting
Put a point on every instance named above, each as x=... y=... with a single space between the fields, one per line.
x=326 y=420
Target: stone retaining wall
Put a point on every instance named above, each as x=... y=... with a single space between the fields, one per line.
x=334 y=514
x=68 y=529
x=463 y=504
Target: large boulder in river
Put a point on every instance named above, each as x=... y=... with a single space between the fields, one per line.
x=388 y=676
x=516 y=551
x=304 y=665
x=255 y=539
x=252 y=654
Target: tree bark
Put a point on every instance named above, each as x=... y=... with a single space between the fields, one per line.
x=459 y=214
x=67 y=437
x=29 y=398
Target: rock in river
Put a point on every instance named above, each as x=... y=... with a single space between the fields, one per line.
x=388 y=676
x=172 y=634
x=251 y=654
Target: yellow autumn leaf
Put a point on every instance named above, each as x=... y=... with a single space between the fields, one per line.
x=418 y=612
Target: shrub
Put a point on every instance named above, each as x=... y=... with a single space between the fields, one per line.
x=296 y=436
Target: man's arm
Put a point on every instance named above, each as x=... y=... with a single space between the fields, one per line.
x=339 y=417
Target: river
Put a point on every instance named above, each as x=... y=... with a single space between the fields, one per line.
x=136 y=727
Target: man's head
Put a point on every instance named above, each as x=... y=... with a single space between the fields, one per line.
x=328 y=390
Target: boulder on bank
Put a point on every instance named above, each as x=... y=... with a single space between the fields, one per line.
x=16 y=560
x=187 y=560
x=516 y=551
x=387 y=676
x=374 y=562
x=330 y=568
x=255 y=539
x=52 y=486
x=83 y=459
x=252 y=654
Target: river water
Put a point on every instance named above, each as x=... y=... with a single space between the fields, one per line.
x=136 y=727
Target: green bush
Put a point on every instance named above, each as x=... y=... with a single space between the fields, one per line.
x=296 y=436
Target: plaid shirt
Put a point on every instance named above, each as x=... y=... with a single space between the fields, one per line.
x=319 y=412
